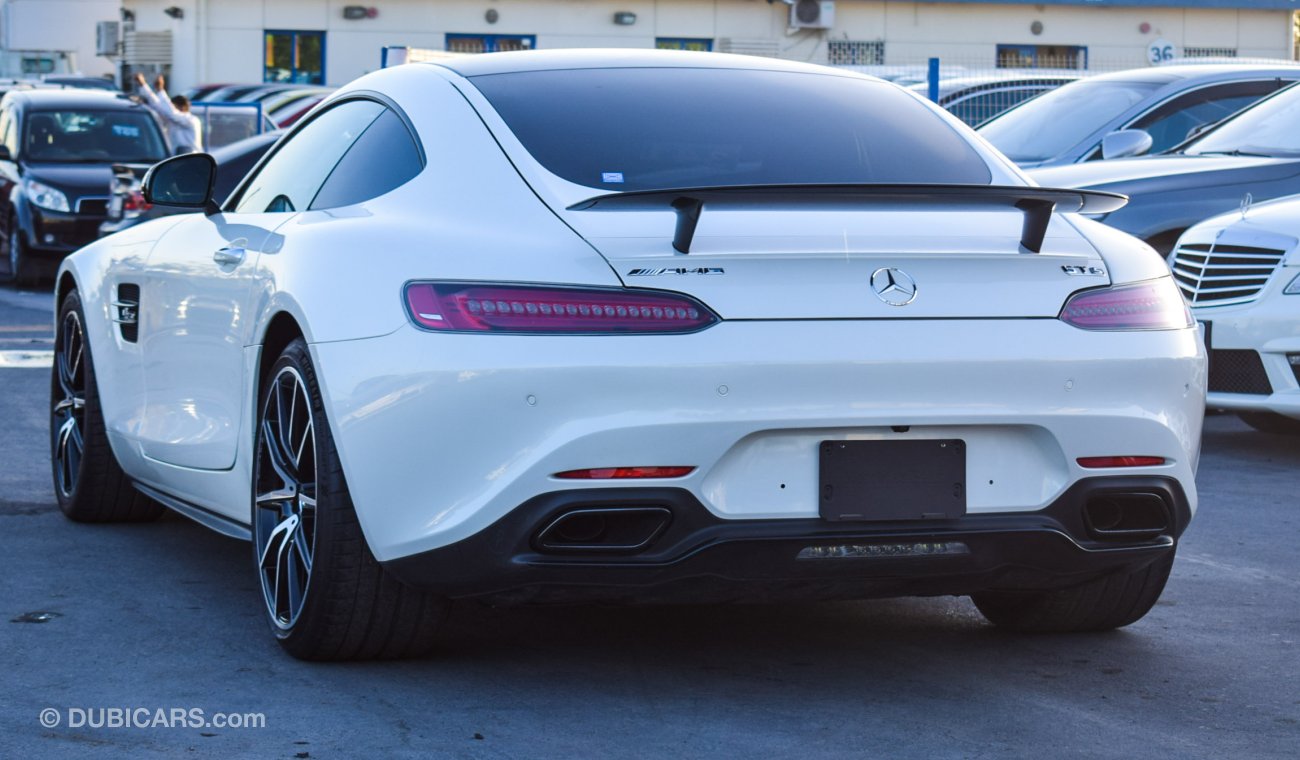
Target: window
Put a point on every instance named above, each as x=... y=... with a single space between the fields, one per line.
x=648 y=129
x=297 y=57
x=1047 y=126
x=858 y=53
x=698 y=45
x=1042 y=57
x=69 y=137
x=293 y=175
x=1174 y=121
x=383 y=158
x=489 y=43
x=1209 y=52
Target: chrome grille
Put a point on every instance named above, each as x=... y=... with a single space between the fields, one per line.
x=1220 y=274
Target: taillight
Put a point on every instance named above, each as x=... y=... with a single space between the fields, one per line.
x=470 y=307
x=1122 y=461
x=1150 y=305
x=134 y=204
x=625 y=473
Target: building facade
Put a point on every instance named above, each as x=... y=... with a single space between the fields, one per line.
x=53 y=37
x=334 y=41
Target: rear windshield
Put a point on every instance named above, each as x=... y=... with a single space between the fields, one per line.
x=1056 y=121
x=92 y=137
x=651 y=129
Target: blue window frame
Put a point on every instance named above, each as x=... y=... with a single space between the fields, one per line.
x=490 y=43
x=697 y=44
x=294 y=56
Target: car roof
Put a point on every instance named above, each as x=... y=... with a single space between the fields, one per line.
x=595 y=58
x=74 y=98
x=1169 y=74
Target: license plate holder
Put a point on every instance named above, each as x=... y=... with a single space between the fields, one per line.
x=892 y=480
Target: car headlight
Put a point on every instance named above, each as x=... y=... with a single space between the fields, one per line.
x=47 y=197
x=1294 y=288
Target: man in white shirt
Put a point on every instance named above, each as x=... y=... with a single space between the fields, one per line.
x=184 y=130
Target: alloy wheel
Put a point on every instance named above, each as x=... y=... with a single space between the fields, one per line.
x=284 y=501
x=70 y=409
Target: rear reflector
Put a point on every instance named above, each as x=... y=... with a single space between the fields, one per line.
x=619 y=473
x=859 y=551
x=1129 y=461
x=1152 y=305
x=478 y=307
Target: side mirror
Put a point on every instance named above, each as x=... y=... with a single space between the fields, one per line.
x=182 y=181
x=1125 y=142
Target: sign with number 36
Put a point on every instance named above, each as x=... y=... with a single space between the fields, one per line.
x=1161 y=50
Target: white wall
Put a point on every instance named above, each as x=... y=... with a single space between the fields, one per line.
x=231 y=47
x=58 y=25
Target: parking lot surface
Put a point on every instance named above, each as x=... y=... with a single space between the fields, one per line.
x=165 y=616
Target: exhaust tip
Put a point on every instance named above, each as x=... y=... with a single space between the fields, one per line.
x=603 y=529
x=1126 y=516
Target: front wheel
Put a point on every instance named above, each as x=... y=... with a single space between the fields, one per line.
x=325 y=595
x=21 y=268
x=88 y=482
x=1103 y=604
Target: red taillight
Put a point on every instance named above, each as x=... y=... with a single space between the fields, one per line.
x=1150 y=305
x=134 y=201
x=618 y=473
x=551 y=309
x=1128 y=461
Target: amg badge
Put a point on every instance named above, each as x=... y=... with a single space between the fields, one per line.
x=674 y=270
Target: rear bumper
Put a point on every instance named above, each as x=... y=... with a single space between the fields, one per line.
x=700 y=557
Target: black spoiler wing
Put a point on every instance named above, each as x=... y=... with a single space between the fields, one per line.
x=1037 y=203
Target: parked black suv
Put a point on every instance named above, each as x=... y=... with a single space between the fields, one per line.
x=57 y=148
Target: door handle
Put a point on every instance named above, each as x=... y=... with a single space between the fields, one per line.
x=229 y=255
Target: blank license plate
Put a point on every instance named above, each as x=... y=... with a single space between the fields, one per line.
x=892 y=480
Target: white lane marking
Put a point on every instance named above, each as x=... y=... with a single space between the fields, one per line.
x=27 y=359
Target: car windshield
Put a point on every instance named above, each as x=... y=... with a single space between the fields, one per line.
x=1271 y=128
x=69 y=137
x=1056 y=121
x=648 y=129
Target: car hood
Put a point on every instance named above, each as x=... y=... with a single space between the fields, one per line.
x=77 y=180
x=1095 y=174
x=1271 y=224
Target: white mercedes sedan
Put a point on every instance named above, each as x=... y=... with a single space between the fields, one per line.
x=628 y=326
x=1241 y=273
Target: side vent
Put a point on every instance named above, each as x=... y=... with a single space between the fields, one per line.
x=126 y=311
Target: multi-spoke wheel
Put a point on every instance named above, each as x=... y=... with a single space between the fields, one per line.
x=325 y=595
x=285 y=497
x=88 y=483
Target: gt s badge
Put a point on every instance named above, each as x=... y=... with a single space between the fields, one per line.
x=1084 y=271
x=674 y=270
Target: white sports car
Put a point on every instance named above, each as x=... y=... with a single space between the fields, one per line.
x=1241 y=273
x=635 y=326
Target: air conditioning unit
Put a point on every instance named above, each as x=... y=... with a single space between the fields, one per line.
x=106 y=38
x=812 y=14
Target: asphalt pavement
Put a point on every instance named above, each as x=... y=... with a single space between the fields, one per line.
x=106 y=625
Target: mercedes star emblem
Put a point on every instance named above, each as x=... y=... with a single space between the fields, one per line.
x=893 y=286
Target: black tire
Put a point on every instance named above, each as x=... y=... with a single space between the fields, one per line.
x=306 y=537
x=88 y=483
x=1103 y=604
x=19 y=267
x=1268 y=422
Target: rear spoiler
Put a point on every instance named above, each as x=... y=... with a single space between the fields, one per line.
x=1037 y=203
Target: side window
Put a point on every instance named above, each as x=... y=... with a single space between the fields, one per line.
x=294 y=174
x=1173 y=122
x=382 y=159
x=8 y=134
